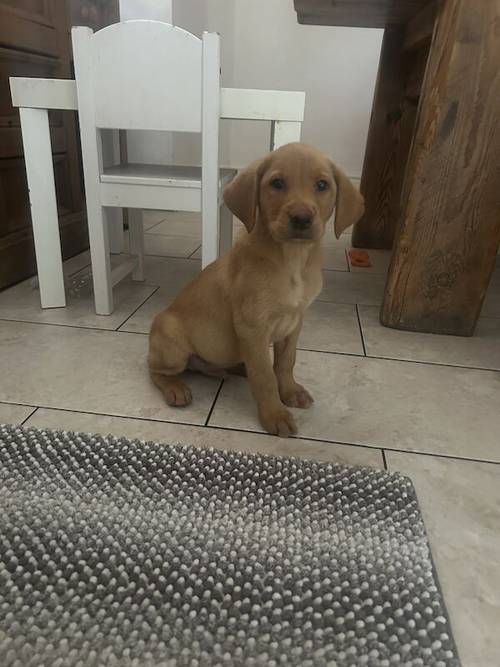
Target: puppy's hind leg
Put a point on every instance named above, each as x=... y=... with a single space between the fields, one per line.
x=168 y=356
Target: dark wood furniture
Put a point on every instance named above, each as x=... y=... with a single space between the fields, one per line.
x=35 y=41
x=431 y=176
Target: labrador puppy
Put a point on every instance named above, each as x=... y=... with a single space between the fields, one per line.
x=256 y=294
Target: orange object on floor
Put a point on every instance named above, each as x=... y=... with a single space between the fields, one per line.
x=360 y=258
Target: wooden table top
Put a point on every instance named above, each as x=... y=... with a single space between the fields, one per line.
x=357 y=13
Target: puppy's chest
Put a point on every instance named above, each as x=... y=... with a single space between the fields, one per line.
x=294 y=297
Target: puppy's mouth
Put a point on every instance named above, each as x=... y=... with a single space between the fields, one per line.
x=284 y=230
x=301 y=235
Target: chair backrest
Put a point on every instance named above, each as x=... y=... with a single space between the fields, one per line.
x=141 y=75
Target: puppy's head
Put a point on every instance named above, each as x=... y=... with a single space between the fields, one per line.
x=294 y=191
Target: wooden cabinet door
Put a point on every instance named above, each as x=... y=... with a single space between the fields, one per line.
x=35 y=39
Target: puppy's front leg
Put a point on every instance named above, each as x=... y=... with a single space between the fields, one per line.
x=292 y=393
x=273 y=415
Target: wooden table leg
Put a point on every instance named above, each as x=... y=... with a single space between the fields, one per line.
x=389 y=139
x=450 y=223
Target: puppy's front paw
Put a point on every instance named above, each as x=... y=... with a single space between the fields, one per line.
x=177 y=393
x=278 y=422
x=297 y=397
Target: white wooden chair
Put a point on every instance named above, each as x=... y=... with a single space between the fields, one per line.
x=35 y=96
x=147 y=75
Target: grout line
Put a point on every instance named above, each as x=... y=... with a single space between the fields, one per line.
x=170 y=235
x=336 y=270
x=146 y=231
x=214 y=402
x=139 y=306
x=341 y=354
x=56 y=324
x=302 y=349
x=71 y=326
x=193 y=259
x=28 y=417
x=191 y=255
x=403 y=361
x=347 y=260
x=434 y=363
x=348 y=303
x=384 y=459
x=74 y=273
x=233 y=429
x=361 y=330
x=129 y=331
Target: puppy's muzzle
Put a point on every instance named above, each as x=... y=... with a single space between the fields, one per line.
x=300 y=225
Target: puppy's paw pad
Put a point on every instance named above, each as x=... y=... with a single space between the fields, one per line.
x=280 y=423
x=298 y=398
x=178 y=395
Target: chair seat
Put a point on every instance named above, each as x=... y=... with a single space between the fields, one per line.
x=162 y=175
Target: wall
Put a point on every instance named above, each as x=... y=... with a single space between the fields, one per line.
x=263 y=46
x=154 y=147
x=213 y=16
x=335 y=66
x=158 y=10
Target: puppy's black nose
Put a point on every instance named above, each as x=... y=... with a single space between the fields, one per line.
x=300 y=222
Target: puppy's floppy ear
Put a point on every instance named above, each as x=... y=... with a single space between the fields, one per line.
x=241 y=195
x=350 y=204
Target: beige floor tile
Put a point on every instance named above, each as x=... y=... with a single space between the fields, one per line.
x=206 y=437
x=94 y=371
x=348 y=287
x=393 y=404
x=190 y=216
x=479 y=351
x=331 y=327
x=76 y=263
x=460 y=502
x=178 y=225
x=70 y=267
x=327 y=327
x=170 y=246
x=141 y=320
x=379 y=260
x=329 y=240
x=187 y=216
x=22 y=303
x=172 y=275
x=335 y=259
x=170 y=272
x=14 y=414
x=152 y=218
x=238 y=229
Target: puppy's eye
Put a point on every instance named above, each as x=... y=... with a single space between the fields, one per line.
x=278 y=183
x=321 y=185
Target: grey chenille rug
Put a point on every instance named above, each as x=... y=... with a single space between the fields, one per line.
x=128 y=553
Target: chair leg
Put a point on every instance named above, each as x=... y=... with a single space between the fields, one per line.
x=101 y=263
x=210 y=232
x=115 y=230
x=136 y=235
x=226 y=230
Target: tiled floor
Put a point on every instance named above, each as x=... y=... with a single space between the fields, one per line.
x=428 y=406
